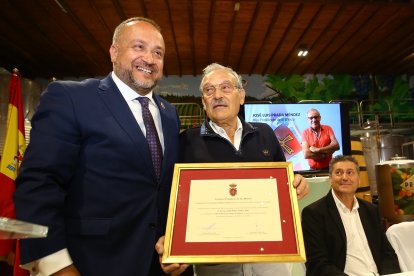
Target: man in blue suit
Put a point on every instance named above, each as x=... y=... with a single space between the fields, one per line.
x=88 y=173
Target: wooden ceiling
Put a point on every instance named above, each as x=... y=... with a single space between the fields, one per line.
x=71 y=38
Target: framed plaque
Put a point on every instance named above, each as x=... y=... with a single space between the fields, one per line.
x=233 y=213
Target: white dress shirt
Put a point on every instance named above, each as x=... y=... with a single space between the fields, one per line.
x=359 y=260
x=237 y=135
x=130 y=97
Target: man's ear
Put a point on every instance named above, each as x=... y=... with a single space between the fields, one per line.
x=202 y=101
x=113 y=51
x=242 y=96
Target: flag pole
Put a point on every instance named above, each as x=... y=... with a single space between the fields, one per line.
x=12 y=155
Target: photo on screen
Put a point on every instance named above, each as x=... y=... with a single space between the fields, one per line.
x=288 y=122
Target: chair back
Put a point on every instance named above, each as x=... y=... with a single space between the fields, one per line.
x=318 y=188
x=400 y=236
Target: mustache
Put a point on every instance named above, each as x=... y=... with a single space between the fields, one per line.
x=217 y=102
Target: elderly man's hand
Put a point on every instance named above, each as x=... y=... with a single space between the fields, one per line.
x=172 y=269
x=301 y=185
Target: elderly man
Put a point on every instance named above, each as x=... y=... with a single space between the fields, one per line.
x=224 y=137
x=343 y=235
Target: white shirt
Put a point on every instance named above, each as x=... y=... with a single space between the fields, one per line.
x=130 y=97
x=237 y=135
x=359 y=260
x=61 y=259
x=49 y=264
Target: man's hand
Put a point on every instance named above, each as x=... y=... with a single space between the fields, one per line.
x=172 y=269
x=317 y=153
x=301 y=185
x=314 y=149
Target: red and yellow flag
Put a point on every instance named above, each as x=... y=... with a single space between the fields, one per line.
x=13 y=150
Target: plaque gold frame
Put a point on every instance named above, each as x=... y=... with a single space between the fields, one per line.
x=289 y=249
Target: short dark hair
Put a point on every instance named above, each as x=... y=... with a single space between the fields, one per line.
x=343 y=158
x=132 y=19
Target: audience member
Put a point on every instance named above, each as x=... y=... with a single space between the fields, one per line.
x=343 y=234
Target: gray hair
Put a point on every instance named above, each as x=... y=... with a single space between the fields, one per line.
x=313 y=109
x=215 y=66
x=119 y=28
x=343 y=158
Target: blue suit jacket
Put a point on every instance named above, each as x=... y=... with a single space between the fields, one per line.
x=325 y=238
x=87 y=174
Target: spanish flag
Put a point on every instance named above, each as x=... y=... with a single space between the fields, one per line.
x=13 y=150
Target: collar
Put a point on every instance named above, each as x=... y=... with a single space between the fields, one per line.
x=127 y=92
x=207 y=130
x=217 y=129
x=342 y=206
x=314 y=131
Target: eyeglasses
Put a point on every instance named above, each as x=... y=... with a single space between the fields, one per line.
x=225 y=87
x=314 y=117
x=349 y=173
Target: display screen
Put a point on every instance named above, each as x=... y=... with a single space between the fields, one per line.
x=289 y=121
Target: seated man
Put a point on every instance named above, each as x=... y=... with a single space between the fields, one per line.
x=343 y=235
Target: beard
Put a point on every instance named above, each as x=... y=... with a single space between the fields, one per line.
x=138 y=86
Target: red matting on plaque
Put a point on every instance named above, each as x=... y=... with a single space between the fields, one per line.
x=288 y=245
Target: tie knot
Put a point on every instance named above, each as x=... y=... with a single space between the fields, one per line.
x=143 y=101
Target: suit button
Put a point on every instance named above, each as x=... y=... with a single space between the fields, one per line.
x=152 y=225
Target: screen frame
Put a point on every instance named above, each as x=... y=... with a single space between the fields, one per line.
x=344 y=126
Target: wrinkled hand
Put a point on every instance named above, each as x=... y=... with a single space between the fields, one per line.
x=301 y=185
x=172 y=269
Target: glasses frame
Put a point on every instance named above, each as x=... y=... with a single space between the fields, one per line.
x=220 y=87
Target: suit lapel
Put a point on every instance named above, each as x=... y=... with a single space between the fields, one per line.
x=365 y=220
x=334 y=213
x=116 y=104
x=164 y=115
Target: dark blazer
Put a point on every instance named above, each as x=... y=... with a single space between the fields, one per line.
x=325 y=239
x=87 y=174
x=203 y=145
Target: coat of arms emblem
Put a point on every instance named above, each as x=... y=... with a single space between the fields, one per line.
x=233 y=189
